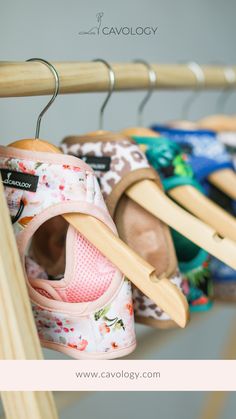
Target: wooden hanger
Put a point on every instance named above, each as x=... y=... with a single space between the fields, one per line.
x=224 y=179
x=149 y=196
x=220 y=121
x=182 y=124
x=165 y=294
x=142 y=274
x=188 y=196
x=139 y=132
x=217 y=123
x=198 y=204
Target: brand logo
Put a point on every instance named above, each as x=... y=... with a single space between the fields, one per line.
x=98 y=164
x=8 y=181
x=19 y=180
x=99 y=29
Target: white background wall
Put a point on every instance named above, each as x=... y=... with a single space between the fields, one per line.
x=200 y=30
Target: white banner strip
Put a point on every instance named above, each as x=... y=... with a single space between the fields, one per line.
x=118 y=375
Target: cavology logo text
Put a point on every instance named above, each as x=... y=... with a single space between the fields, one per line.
x=18 y=180
x=9 y=181
x=99 y=29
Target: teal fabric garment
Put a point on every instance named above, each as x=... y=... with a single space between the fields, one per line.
x=172 y=165
x=194 y=263
x=189 y=255
x=170 y=162
x=206 y=154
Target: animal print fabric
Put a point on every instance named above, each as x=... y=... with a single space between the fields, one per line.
x=146 y=308
x=128 y=164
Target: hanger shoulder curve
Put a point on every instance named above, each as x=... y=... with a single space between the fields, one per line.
x=35 y=145
x=225 y=180
x=141 y=273
x=198 y=204
x=157 y=203
x=205 y=209
x=139 y=131
x=217 y=123
x=165 y=294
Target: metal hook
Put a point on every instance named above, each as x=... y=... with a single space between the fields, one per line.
x=57 y=86
x=152 y=83
x=111 y=89
x=200 y=78
x=230 y=78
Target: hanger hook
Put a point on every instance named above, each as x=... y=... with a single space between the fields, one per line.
x=111 y=89
x=230 y=78
x=200 y=79
x=57 y=86
x=152 y=83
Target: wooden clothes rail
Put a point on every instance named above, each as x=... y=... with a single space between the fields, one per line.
x=34 y=78
x=18 y=335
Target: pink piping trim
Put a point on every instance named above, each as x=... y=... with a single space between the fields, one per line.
x=44 y=157
x=58 y=209
x=43 y=284
x=24 y=237
x=74 y=353
x=75 y=310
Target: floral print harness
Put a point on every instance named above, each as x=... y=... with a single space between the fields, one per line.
x=88 y=313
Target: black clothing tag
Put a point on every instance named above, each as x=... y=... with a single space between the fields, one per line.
x=98 y=164
x=18 y=180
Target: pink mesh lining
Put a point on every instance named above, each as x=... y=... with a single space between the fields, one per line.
x=44 y=293
x=88 y=274
x=91 y=275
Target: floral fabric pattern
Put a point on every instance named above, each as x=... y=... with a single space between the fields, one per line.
x=108 y=330
x=106 y=333
x=199 y=285
x=168 y=159
x=206 y=154
x=57 y=183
